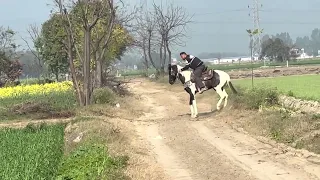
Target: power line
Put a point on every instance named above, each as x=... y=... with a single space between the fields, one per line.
x=264 y=22
x=219 y=34
x=274 y=10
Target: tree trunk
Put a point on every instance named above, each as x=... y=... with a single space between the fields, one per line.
x=98 y=73
x=57 y=75
x=146 y=63
x=163 y=54
x=73 y=72
x=86 y=68
x=149 y=53
x=169 y=51
x=70 y=45
x=163 y=68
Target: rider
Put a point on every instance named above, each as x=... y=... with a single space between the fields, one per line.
x=198 y=66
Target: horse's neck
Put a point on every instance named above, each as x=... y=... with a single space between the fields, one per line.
x=179 y=67
x=186 y=74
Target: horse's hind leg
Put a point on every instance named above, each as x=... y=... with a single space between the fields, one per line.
x=221 y=94
x=225 y=97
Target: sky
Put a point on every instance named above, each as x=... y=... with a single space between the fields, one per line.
x=218 y=26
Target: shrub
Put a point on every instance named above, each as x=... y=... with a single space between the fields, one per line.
x=256 y=97
x=103 y=96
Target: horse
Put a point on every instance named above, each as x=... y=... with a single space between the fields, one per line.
x=213 y=79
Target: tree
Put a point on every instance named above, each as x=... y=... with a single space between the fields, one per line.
x=305 y=43
x=275 y=50
x=51 y=46
x=285 y=37
x=10 y=67
x=146 y=32
x=315 y=41
x=89 y=42
x=171 y=23
x=266 y=37
x=158 y=30
x=36 y=62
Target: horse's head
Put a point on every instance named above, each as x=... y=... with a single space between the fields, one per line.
x=173 y=73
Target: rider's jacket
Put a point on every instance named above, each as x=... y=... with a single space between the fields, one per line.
x=193 y=62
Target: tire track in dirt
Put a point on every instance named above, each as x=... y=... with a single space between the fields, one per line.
x=191 y=150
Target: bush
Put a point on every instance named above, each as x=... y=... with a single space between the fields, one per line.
x=91 y=161
x=290 y=93
x=31 y=153
x=256 y=97
x=103 y=96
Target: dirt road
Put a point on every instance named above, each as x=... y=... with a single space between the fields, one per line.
x=208 y=148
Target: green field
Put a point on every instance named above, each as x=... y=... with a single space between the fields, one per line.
x=305 y=87
x=234 y=66
x=31 y=153
x=237 y=66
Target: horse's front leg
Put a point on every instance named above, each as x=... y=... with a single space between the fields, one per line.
x=192 y=103
x=195 y=109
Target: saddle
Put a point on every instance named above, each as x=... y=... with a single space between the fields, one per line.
x=207 y=74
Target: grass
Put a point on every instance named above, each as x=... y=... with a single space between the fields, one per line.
x=39 y=152
x=91 y=161
x=304 y=87
x=284 y=126
x=91 y=158
x=41 y=106
x=31 y=153
x=274 y=121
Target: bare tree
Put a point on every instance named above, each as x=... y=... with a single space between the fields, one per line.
x=115 y=16
x=159 y=29
x=172 y=22
x=146 y=32
x=34 y=34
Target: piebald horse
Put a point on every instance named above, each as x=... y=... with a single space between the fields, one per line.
x=213 y=79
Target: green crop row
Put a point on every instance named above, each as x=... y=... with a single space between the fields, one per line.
x=31 y=153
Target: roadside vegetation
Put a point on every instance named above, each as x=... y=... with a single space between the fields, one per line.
x=259 y=112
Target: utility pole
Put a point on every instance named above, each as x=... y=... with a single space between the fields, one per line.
x=256 y=39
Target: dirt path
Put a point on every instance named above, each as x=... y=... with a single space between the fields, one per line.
x=209 y=148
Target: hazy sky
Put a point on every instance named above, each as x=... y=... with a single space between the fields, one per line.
x=220 y=25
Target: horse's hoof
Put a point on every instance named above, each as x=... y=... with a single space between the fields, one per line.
x=194 y=116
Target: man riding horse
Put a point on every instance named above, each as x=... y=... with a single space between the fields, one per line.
x=198 y=67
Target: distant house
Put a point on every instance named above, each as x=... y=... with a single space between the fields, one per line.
x=229 y=60
x=299 y=53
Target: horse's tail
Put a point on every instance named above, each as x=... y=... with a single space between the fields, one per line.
x=232 y=87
